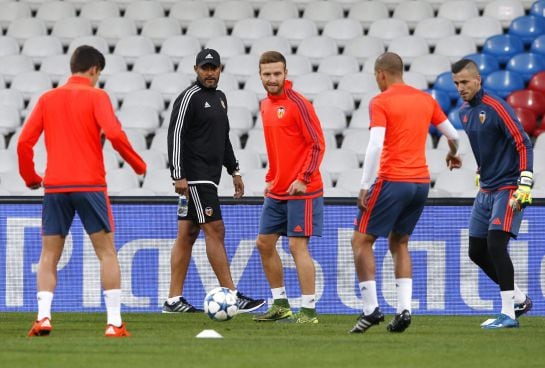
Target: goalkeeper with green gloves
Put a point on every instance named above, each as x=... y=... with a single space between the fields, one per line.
x=504 y=156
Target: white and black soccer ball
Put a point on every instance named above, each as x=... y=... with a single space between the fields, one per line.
x=220 y=304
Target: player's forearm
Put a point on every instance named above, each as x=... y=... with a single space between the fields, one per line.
x=372 y=157
x=448 y=130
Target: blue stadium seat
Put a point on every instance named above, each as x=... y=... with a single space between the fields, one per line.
x=444 y=83
x=526 y=64
x=442 y=98
x=455 y=119
x=503 y=47
x=487 y=63
x=503 y=82
x=538 y=45
x=528 y=27
x=538 y=8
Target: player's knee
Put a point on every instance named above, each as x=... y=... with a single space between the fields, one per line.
x=264 y=247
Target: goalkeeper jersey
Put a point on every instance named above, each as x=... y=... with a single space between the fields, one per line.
x=72 y=118
x=295 y=144
x=501 y=147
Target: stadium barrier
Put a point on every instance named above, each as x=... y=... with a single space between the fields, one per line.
x=445 y=281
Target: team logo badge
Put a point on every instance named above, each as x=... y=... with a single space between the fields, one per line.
x=208 y=211
x=280 y=112
x=464 y=119
x=482 y=117
x=222 y=103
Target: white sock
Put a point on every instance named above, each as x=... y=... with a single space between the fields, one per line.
x=174 y=299
x=279 y=293
x=404 y=288
x=368 y=290
x=520 y=297
x=308 y=301
x=112 y=299
x=44 y=304
x=508 y=303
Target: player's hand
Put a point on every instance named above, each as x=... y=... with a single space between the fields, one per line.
x=35 y=186
x=181 y=187
x=297 y=188
x=239 y=186
x=453 y=161
x=522 y=197
x=362 y=200
x=266 y=190
x=477 y=180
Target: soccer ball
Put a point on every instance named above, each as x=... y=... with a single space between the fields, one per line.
x=220 y=304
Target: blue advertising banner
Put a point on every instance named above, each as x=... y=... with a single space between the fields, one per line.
x=445 y=281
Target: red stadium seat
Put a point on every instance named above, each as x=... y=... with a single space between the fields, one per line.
x=537 y=82
x=533 y=100
x=528 y=119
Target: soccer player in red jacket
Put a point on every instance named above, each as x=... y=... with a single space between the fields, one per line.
x=293 y=192
x=73 y=118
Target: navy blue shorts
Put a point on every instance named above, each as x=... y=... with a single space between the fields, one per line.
x=392 y=206
x=59 y=210
x=491 y=211
x=203 y=204
x=294 y=217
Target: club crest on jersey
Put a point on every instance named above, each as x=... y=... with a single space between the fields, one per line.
x=280 y=112
x=464 y=119
x=208 y=211
x=222 y=104
x=482 y=117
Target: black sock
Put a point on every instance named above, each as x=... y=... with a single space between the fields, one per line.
x=497 y=248
x=478 y=253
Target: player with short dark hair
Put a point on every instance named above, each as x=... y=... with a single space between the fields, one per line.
x=400 y=117
x=72 y=118
x=504 y=157
x=198 y=147
x=293 y=188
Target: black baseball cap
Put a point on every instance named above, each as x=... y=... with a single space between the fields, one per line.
x=208 y=56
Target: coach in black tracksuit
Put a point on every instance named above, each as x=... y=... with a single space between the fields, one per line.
x=198 y=147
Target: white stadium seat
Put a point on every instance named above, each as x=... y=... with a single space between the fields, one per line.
x=331 y=118
x=170 y=85
x=30 y=83
x=154 y=159
x=121 y=180
x=350 y=182
x=10 y=119
x=276 y=43
x=254 y=182
x=248 y=160
x=240 y=119
x=143 y=10
x=186 y=11
x=312 y=83
x=206 y=28
x=334 y=192
x=68 y=29
x=8 y=159
x=316 y=48
x=13 y=98
x=40 y=47
x=12 y=65
x=256 y=142
x=145 y=97
x=53 y=11
x=455 y=47
x=415 y=79
x=409 y=47
x=343 y=30
x=358 y=121
x=430 y=65
x=153 y=64
x=249 y=30
x=132 y=47
x=114 y=64
x=388 y=29
x=97 y=42
x=243 y=98
x=231 y=11
x=336 y=97
x=114 y=29
x=278 y=11
x=413 y=12
x=178 y=47
x=337 y=66
x=160 y=29
x=226 y=46
x=504 y=11
x=8 y=46
x=455 y=183
x=357 y=141
x=97 y=11
x=366 y=12
x=322 y=12
x=12 y=10
x=480 y=28
x=124 y=82
x=24 y=28
x=159 y=182
x=142 y=118
x=338 y=161
x=57 y=67
x=254 y=84
x=364 y=47
x=434 y=29
x=296 y=30
x=243 y=66
x=458 y=11
x=227 y=82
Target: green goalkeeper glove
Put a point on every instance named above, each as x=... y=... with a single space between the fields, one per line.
x=522 y=197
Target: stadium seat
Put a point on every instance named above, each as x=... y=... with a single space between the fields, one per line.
x=235 y=140
x=12 y=182
x=486 y=63
x=277 y=43
x=232 y=11
x=331 y=118
x=416 y=80
x=141 y=11
x=366 y=12
x=338 y=98
x=343 y=30
x=317 y=48
x=160 y=29
x=159 y=141
x=322 y=12
x=248 y=160
x=8 y=46
x=455 y=47
x=256 y=142
x=40 y=47
x=334 y=192
x=97 y=42
x=254 y=84
x=13 y=98
x=357 y=141
x=358 y=84
x=31 y=104
x=538 y=45
x=537 y=83
x=538 y=8
x=526 y=64
x=337 y=66
x=463 y=141
x=278 y=11
x=141 y=118
x=68 y=29
x=312 y=83
x=185 y=11
x=186 y=66
x=254 y=182
x=454 y=118
x=12 y=10
x=409 y=47
x=226 y=46
x=115 y=29
x=364 y=47
x=369 y=64
x=12 y=65
x=527 y=27
x=124 y=82
x=30 y=83
x=430 y=65
x=338 y=161
x=249 y=30
x=206 y=28
x=10 y=119
x=503 y=47
x=413 y=12
x=434 y=29
x=57 y=67
x=480 y=28
x=503 y=82
x=458 y=11
x=178 y=47
x=97 y=11
x=350 y=182
x=297 y=65
x=391 y=4
x=539 y=144
x=170 y=85
x=133 y=47
x=153 y=64
x=243 y=66
x=8 y=159
x=297 y=29
x=388 y=29
x=240 y=119
x=533 y=100
x=120 y=180
x=243 y=98
x=330 y=140
x=145 y=97
x=442 y=98
x=159 y=182
x=504 y=11
x=24 y=28
x=228 y=82
x=53 y=11
x=528 y=119
x=114 y=64
x=456 y=183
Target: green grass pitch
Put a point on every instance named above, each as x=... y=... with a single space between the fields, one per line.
x=167 y=340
